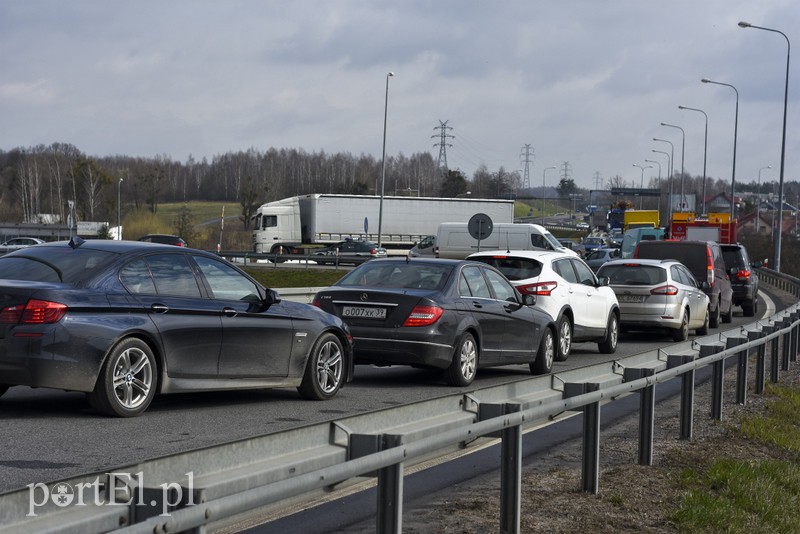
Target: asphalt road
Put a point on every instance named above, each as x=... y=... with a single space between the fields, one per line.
x=52 y=435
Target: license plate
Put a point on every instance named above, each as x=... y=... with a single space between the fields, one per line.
x=631 y=298
x=362 y=312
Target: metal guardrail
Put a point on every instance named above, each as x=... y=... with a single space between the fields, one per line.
x=195 y=490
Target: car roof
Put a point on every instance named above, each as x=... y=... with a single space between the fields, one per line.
x=112 y=245
x=531 y=254
x=638 y=261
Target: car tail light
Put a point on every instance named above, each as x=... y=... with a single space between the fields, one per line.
x=316 y=302
x=373 y=251
x=664 y=290
x=743 y=274
x=34 y=312
x=539 y=288
x=710 y=267
x=423 y=316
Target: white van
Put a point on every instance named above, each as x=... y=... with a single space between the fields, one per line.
x=454 y=241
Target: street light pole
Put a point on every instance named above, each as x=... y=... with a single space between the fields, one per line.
x=777 y=265
x=669 y=171
x=735 y=129
x=705 y=152
x=641 y=186
x=683 y=153
x=544 y=174
x=119 y=219
x=758 y=202
x=383 y=161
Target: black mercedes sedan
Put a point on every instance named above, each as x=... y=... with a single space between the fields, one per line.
x=124 y=320
x=453 y=315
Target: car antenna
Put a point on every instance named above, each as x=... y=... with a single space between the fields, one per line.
x=508 y=245
x=75 y=242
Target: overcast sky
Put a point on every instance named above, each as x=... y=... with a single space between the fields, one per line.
x=582 y=81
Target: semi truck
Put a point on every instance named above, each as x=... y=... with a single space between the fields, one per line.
x=294 y=225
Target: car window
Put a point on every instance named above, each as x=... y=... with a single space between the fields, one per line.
x=226 y=282
x=733 y=258
x=513 y=268
x=585 y=274
x=475 y=283
x=502 y=289
x=691 y=280
x=679 y=276
x=633 y=274
x=173 y=275
x=564 y=268
x=135 y=276
x=53 y=264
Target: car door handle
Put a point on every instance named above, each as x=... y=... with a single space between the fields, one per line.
x=477 y=305
x=159 y=308
x=229 y=312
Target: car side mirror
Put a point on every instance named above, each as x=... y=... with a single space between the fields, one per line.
x=602 y=281
x=704 y=285
x=528 y=299
x=271 y=297
x=733 y=271
x=757 y=264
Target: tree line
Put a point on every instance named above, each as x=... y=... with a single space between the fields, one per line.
x=49 y=179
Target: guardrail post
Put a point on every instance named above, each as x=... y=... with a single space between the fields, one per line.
x=590 y=476
x=795 y=334
x=741 y=368
x=774 y=353
x=761 y=367
x=510 y=474
x=389 y=519
x=717 y=378
x=786 y=342
x=390 y=492
x=687 y=394
x=647 y=407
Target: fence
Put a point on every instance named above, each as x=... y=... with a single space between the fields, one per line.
x=199 y=489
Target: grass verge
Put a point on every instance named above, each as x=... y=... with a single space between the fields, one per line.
x=283 y=277
x=758 y=495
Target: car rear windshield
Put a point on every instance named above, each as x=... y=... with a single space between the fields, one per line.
x=692 y=255
x=398 y=274
x=514 y=268
x=631 y=274
x=733 y=257
x=53 y=264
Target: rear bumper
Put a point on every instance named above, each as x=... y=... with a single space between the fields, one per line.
x=648 y=321
x=370 y=350
x=743 y=293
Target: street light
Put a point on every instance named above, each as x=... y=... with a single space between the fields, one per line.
x=735 y=128
x=758 y=201
x=119 y=220
x=669 y=170
x=383 y=160
x=777 y=266
x=544 y=173
x=683 y=152
x=705 y=152
x=641 y=187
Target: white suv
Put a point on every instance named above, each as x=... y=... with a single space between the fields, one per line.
x=567 y=289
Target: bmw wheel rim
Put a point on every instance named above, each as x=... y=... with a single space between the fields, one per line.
x=133 y=378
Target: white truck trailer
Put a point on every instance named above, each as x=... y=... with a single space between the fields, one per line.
x=289 y=225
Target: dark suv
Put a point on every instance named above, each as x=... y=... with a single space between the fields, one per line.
x=704 y=259
x=744 y=279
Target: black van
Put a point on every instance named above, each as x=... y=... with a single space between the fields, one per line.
x=704 y=259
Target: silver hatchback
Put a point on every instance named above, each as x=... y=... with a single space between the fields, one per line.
x=657 y=294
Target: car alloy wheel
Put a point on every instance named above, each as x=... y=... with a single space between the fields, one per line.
x=324 y=369
x=465 y=362
x=564 y=339
x=127 y=381
x=543 y=363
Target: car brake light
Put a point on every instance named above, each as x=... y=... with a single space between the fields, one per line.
x=539 y=288
x=743 y=275
x=34 y=312
x=423 y=316
x=664 y=290
x=316 y=302
x=709 y=267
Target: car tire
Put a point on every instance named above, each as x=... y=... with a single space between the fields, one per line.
x=127 y=381
x=703 y=330
x=3 y=389
x=543 y=363
x=325 y=369
x=564 y=339
x=728 y=317
x=682 y=333
x=749 y=308
x=713 y=320
x=609 y=344
x=465 y=362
